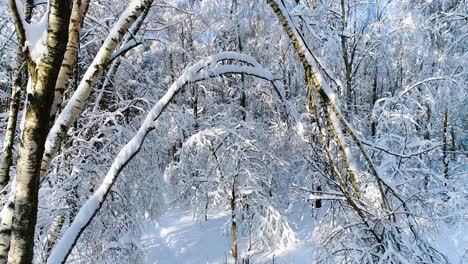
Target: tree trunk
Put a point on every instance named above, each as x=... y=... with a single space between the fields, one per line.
x=241 y=86
x=233 y=222
x=7 y=155
x=40 y=98
x=315 y=79
x=444 y=148
x=80 y=8
x=5 y=226
x=346 y=60
x=373 y=100
x=453 y=148
x=51 y=237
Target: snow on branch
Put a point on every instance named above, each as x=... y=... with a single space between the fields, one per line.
x=32 y=37
x=204 y=69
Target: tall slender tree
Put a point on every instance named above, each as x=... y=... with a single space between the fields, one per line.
x=43 y=73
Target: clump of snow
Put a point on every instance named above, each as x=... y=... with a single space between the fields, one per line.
x=36 y=39
x=36 y=35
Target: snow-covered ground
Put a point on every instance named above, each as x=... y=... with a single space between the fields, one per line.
x=452 y=240
x=178 y=238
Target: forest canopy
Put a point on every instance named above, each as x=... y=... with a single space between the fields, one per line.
x=233 y=131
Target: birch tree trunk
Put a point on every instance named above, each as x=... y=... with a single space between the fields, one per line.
x=314 y=76
x=5 y=226
x=79 y=10
x=40 y=97
x=51 y=237
x=8 y=208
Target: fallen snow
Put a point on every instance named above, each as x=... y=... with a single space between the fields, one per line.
x=178 y=238
x=452 y=240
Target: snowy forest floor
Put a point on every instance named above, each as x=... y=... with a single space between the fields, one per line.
x=179 y=238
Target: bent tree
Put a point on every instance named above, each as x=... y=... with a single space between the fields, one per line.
x=209 y=67
x=93 y=70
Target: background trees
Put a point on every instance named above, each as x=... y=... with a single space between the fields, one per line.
x=386 y=179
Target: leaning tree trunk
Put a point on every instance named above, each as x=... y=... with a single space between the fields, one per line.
x=125 y=47
x=44 y=76
x=314 y=76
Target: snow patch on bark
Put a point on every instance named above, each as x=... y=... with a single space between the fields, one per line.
x=36 y=35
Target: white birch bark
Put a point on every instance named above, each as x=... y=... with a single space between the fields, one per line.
x=5 y=225
x=7 y=153
x=44 y=76
x=312 y=67
x=69 y=59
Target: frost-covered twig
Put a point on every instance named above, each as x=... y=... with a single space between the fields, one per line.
x=400 y=155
